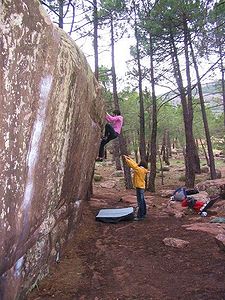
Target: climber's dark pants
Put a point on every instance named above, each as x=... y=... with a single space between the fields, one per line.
x=110 y=134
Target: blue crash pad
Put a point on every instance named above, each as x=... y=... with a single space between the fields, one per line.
x=115 y=215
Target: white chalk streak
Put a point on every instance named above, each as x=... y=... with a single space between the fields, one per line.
x=34 y=148
x=18 y=266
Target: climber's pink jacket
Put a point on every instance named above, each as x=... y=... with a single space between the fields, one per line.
x=116 y=121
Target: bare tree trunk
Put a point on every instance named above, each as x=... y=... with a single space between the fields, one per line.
x=222 y=81
x=153 y=147
x=127 y=174
x=122 y=141
x=161 y=169
x=204 y=116
x=115 y=94
x=148 y=149
x=95 y=16
x=135 y=147
x=168 y=143
x=116 y=153
x=141 y=101
x=189 y=161
x=60 y=3
x=205 y=153
x=164 y=150
x=175 y=143
x=196 y=159
x=167 y=161
x=197 y=144
x=136 y=155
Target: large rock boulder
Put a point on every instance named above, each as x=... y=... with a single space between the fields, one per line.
x=212 y=187
x=201 y=196
x=212 y=228
x=220 y=240
x=174 y=208
x=51 y=117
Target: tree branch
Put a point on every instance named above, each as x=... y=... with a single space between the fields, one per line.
x=49 y=7
x=193 y=86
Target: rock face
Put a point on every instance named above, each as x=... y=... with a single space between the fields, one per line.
x=51 y=117
x=212 y=187
x=220 y=240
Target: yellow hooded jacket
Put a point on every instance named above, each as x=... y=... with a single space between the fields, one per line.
x=139 y=173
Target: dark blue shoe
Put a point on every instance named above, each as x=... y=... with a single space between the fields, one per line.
x=138 y=219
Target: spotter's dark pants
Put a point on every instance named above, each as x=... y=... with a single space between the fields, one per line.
x=141 y=203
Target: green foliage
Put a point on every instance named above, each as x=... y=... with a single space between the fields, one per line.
x=215 y=121
x=216 y=18
x=112 y=5
x=105 y=80
x=130 y=108
x=105 y=76
x=111 y=8
x=170 y=118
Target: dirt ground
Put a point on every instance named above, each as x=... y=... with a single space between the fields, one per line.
x=129 y=260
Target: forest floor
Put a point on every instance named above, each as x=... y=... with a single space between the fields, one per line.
x=129 y=260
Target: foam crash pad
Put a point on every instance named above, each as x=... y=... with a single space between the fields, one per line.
x=115 y=215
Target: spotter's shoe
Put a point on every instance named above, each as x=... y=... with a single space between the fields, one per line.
x=138 y=219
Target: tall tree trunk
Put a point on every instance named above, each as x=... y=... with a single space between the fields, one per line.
x=196 y=159
x=167 y=147
x=115 y=94
x=161 y=170
x=60 y=3
x=95 y=17
x=142 y=146
x=116 y=153
x=164 y=149
x=189 y=161
x=148 y=146
x=205 y=153
x=222 y=80
x=204 y=116
x=168 y=143
x=122 y=141
x=136 y=155
x=153 y=147
x=127 y=174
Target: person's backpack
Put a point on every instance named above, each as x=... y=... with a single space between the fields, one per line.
x=180 y=194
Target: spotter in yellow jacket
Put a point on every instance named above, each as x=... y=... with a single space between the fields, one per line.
x=140 y=171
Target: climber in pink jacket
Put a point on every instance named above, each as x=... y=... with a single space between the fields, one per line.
x=112 y=131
